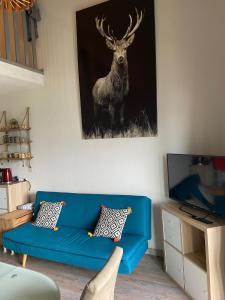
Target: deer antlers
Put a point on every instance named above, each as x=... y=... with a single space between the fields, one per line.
x=110 y=35
x=99 y=26
x=139 y=20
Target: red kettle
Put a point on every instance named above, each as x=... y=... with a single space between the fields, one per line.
x=6 y=175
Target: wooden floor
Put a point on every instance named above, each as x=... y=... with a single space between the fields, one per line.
x=148 y=282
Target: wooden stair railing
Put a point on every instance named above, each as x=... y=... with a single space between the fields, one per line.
x=14 y=44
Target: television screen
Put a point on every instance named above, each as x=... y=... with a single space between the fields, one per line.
x=198 y=180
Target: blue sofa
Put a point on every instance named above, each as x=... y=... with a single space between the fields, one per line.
x=71 y=243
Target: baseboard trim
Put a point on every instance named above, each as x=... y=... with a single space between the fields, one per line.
x=155 y=252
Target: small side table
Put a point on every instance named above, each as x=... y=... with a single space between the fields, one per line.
x=14 y=219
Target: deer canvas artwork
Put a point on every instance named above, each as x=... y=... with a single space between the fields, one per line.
x=117 y=69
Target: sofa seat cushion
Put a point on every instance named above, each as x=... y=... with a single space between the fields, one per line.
x=72 y=240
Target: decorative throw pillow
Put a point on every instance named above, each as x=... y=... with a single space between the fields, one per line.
x=48 y=214
x=111 y=222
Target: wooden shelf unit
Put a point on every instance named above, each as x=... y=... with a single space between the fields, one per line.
x=194 y=252
x=198 y=258
x=16 y=143
x=14 y=129
x=19 y=159
x=25 y=141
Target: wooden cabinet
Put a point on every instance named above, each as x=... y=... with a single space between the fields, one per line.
x=196 y=284
x=3 y=200
x=12 y=195
x=172 y=230
x=174 y=264
x=194 y=252
x=14 y=219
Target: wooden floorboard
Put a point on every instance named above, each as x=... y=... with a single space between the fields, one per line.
x=148 y=282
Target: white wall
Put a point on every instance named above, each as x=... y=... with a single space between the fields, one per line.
x=191 y=71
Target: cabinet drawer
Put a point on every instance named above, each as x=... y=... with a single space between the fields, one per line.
x=174 y=264
x=3 y=211
x=195 y=280
x=3 y=199
x=22 y=220
x=172 y=230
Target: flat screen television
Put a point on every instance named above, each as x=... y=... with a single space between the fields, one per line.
x=198 y=180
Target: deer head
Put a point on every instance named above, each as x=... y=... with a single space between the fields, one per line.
x=119 y=46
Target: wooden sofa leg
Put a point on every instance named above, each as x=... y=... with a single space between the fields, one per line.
x=24 y=260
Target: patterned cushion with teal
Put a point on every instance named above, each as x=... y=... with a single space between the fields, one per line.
x=111 y=222
x=48 y=214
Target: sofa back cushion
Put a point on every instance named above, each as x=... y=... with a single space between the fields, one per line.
x=83 y=210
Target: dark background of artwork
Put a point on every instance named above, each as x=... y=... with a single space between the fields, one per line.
x=95 y=58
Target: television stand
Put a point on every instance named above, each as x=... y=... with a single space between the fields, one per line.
x=194 y=251
x=202 y=219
